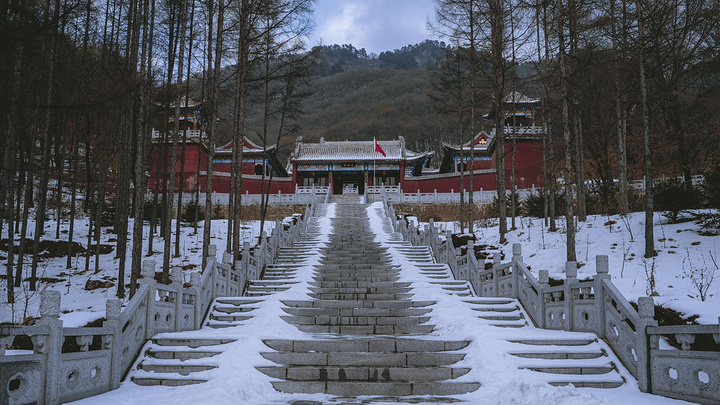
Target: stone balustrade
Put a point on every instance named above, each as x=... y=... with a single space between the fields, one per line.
x=596 y=305
x=66 y=364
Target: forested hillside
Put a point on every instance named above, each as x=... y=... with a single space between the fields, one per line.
x=354 y=95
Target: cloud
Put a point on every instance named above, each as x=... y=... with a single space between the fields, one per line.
x=377 y=25
x=349 y=26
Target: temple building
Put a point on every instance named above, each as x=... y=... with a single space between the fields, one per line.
x=523 y=138
x=355 y=165
x=361 y=167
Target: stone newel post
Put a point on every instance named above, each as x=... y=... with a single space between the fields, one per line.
x=113 y=342
x=148 y=279
x=516 y=260
x=544 y=280
x=601 y=268
x=571 y=282
x=52 y=346
x=646 y=311
x=176 y=278
x=497 y=258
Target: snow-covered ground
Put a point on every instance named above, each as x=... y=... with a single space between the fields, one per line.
x=236 y=381
x=80 y=306
x=682 y=248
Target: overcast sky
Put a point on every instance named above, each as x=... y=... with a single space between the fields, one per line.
x=376 y=25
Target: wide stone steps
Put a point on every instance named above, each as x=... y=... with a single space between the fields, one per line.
x=392 y=389
x=358 y=312
x=370 y=374
x=395 y=367
x=171 y=359
x=177 y=361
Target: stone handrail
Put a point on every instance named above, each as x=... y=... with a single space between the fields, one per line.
x=595 y=306
x=66 y=364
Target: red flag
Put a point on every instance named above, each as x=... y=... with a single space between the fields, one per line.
x=379 y=149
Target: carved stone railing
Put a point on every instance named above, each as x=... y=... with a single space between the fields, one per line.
x=595 y=306
x=65 y=364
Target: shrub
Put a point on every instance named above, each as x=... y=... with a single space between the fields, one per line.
x=190 y=210
x=492 y=209
x=533 y=205
x=148 y=209
x=218 y=211
x=710 y=189
x=710 y=193
x=107 y=217
x=671 y=196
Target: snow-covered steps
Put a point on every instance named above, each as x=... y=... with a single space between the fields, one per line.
x=177 y=361
x=379 y=366
x=502 y=312
x=568 y=358
x=361 y=318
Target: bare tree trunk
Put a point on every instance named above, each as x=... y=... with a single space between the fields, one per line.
x=513 y=184
x=620 y=105
x=647 y=151
x=182 y=151
x=143 y=130
x=463 y=208
x=158 y=150
x=214 y=89
x=173 y=158
x=471 y=200
x=98 y=212
x=58 y=201
x=73 y=199
x=239 y=128
x=11 y=171
x=580 y=169
x=546 y=165
x=497 y=27
x=44 y=177
x=569 y=215
x=27 y=199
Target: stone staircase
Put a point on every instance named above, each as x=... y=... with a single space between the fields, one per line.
x=171 y=361
x=365 y=333
x=366 y=327
x=561 y=358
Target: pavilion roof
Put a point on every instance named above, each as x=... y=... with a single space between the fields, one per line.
x=248 y=147
x=519 y=98
x=353 y=151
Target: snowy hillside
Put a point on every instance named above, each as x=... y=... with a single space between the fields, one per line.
x=683 y=250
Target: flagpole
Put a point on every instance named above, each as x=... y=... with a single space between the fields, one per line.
x=374 y=185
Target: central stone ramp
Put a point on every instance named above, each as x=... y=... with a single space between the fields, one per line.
x=366 y=327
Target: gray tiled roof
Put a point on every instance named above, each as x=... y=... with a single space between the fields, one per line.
x=352 y=150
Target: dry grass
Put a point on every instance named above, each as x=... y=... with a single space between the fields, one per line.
x=442 y=212
x=252 y=212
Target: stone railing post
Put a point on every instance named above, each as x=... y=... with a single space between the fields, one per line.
x=448 y=246
x=212 y=265
x=240 y=270
x=570 y=282
x=495 y=274
x=516 y=260
x=227 y=258
x=195 y=279
x=52 y=347
x=114 y=342
x=176 y=278
x=148 y=278
x=601 y=268
x=212 y=253
x=544 y=280
x=646 y=312
x=246 y=258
